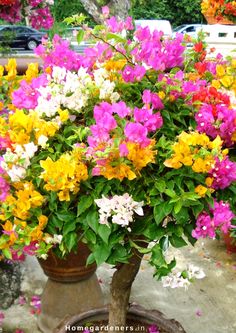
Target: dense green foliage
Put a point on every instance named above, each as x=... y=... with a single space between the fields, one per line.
x=176 y=11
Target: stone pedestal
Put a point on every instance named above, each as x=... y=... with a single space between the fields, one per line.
x=62 y=299
x=10 y=283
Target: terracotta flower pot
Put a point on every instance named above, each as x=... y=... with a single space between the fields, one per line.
x=213 y=20
x=70 y=269
x=230 y=243
x=71 y=288
x=137 y=315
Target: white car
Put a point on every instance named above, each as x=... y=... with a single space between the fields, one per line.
x=160 y=25
x=189 y=29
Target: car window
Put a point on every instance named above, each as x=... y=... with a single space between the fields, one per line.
x=22 y=30
x=190 y=29
x=5 y=30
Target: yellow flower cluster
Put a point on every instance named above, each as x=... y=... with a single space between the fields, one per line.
x=19 y=230
x=23 y=126
x=226 y=76
x=32 y=71
x=195 y=150
x=140 y=157
x=64 y=175
x=19 y=205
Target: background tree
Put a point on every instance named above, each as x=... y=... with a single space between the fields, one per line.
x=118 y=8
x=176 y=11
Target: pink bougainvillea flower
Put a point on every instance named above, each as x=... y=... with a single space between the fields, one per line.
x=22 y=300
x=199 y=313
x=133 y=73
x=218 y=218
x=223 y=173
x=136 y=132
x=153 y=329
x=2 y=316
x=105 y=11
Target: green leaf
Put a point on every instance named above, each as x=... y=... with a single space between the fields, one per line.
x=162 y=210
x=90 y=236
x=178 y=206
x=157 y=257
x=170 y=193
x=80 y=36
x=71 y=240
x=90 y=260
x=104 y=232
x=92 y=220
x=7 y=253
x=85 y=202
x=117 y=38
x=68 y=227
x=177 y=241
x=101 y=254
x=160 y=185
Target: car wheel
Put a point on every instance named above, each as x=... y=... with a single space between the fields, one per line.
x=31 y=45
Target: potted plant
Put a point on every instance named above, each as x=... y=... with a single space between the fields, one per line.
x=124 y=147
x=223 y=12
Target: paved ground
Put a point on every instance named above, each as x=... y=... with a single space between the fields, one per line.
x=208 y=306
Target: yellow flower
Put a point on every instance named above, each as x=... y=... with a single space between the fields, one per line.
x=216 y=84
x=201 y=190
x=220 y=70
x=201 y=165
x=1 y=71
x=227 y=81
x=64 y=115
x=216 y=143
x=119 y=171
x=141 y=156
x=65 y=174
x=115 y=65
x=11 y=69
x=209 y=181
x=43 y=220
x=161 y=94
x=32 y=71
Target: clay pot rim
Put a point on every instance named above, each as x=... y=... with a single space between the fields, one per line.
x=134 y=311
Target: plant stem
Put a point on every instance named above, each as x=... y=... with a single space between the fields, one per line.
x=121 y=284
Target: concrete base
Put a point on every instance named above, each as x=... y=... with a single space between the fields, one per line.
x=62 y=299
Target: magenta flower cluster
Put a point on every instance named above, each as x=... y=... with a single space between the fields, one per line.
x=38 y=13
x=145 y=120
x=217 y=120
x=4 y=186
x=59 y=55
x=223 y=173
x=218 y=218
x=26 y=96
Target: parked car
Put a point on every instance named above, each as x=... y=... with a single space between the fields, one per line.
x=20 y=36
x=161 y=25
x=189 y=29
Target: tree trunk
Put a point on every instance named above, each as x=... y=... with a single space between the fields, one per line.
x=118 y=8
x=121 y=284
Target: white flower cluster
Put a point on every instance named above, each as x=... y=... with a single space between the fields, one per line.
x=66 y=89
x=56 y=239
x=120 y=208
x=106 y=87
x=15 y=164
x=183 y=279
x=73 y=90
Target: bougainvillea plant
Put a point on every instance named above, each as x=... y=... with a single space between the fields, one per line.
x=128 y=147
x=219 y=9
x=36 y=11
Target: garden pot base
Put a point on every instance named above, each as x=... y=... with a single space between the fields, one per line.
x=137 y=316
x=62 y=299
